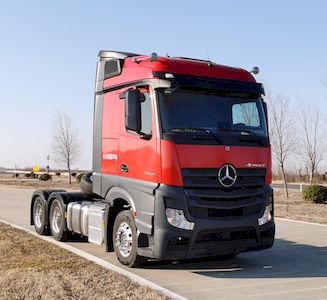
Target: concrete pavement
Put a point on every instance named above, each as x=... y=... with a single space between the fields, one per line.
x=295 y=268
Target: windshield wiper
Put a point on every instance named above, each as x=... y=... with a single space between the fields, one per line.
x=245 y=131
x=194 y=130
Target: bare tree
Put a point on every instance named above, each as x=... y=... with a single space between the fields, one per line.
x=66 y=145
x=311 y=144
x=282 y=137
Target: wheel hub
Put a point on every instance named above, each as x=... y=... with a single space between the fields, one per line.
x=38 y=215
x=124 y=239
x=56 y=220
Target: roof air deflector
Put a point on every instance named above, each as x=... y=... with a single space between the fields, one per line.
x=107 y=54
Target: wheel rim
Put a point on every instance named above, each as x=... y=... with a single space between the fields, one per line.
x=124 y=239
x=38 y=215
x=56 y=219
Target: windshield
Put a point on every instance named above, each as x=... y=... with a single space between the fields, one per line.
x=195 y=116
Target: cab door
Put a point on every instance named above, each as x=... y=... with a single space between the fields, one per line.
x=138 y=164
x=137 y=151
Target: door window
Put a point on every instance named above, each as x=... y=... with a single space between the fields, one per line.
x=146 y=115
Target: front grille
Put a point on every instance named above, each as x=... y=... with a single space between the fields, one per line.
x=226 y=235
x=216 y=240
x=207 y=198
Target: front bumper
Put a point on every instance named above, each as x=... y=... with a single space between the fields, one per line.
x=210 y=237
x=211 y=241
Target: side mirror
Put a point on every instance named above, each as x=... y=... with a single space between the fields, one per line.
x=133 y=110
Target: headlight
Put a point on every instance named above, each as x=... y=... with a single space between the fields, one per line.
x=176 y=218
x=267 y=216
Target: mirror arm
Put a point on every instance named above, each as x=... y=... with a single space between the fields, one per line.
x=145 y=136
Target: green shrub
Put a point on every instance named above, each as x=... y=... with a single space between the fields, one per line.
x=315 y=194
x=74 y=174
x=45 y=177
x=79 y=177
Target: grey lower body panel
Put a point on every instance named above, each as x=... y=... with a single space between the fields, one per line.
x=210 y=236
x=142 y=193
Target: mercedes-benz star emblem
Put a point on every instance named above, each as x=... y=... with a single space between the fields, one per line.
x=227 y=175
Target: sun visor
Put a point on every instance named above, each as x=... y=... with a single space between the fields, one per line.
x=223 y=86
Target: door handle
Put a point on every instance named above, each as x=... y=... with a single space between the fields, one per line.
x=123 y=168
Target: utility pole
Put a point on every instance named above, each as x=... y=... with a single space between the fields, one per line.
x=48 y=165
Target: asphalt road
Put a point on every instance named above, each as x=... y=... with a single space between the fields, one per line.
x=295 y=268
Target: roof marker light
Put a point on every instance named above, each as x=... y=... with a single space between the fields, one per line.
x=169 y=76
x=152 y=57
x=255 y=70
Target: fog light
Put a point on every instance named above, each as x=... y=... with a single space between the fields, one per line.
x=266 y=215
x=176 y=218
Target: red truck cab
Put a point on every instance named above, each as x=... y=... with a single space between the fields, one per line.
x=187 y=140
x=181 y=162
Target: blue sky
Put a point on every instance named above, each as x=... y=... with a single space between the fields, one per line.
x=48 y=54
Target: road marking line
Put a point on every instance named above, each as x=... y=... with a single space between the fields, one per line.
x=302 y=222
x=133 y=277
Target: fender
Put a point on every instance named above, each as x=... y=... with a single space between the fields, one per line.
x=119 y=193
x=113 y=195
x=138 y=195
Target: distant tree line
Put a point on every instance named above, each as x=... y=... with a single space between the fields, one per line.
x=297 y=139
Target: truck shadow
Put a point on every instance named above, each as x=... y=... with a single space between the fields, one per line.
x=286 y=259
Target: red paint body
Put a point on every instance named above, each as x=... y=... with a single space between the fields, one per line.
x=158 y=160
x=143 y=70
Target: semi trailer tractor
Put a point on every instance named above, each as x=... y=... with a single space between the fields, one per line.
x=181 y=163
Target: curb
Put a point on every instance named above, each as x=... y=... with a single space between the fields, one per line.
x=135 y=278
x=302 y=222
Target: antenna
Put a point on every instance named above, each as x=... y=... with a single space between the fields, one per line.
x=209 y=60
x=208 y=55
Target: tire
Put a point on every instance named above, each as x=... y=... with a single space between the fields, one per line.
x=86 y=183
x=58 y=222
x=39 y=212
x=124 y=239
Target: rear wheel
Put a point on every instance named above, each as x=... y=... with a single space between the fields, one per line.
x=57 y=221
x=39 y=216
x=125 y=240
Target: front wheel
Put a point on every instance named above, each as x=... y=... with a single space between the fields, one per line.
x=125 y=240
